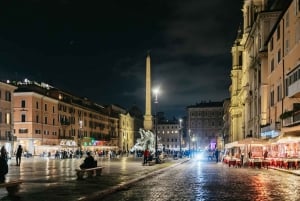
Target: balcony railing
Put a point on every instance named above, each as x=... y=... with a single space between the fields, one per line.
x=292 y=120
x=294 y=89
x=287 y=121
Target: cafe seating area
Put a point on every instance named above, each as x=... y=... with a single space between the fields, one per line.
x=260 y=162
x=282 y=154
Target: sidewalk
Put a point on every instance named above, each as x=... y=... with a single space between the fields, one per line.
x=290 y=171
x=55 y=179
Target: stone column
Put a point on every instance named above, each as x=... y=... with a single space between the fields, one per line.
x=148 y=123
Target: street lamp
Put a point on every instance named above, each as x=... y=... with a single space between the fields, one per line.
x=193 y=139
x=156 y=91
x=180 y=120
x=80 y=133
x=190 y=143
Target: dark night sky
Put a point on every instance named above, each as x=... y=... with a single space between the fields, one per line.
x=97 y=49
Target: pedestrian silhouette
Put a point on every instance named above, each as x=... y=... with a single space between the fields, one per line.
x=19 y=155
x=3 y=164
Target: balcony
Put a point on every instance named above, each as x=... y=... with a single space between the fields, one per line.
x=294 y=90
x=292 y=120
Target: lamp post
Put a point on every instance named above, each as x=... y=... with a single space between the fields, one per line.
x=80 y=133
x=190 y=143
x=180 y=120
x=156 y=91
x=193 y=139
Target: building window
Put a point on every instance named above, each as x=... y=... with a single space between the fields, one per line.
x=37 y=119
x=23 y=103
x=278 y=32
x=278 y=56
x=8 y=118
x=23 y=130
x=7 y=96
x=287 y=19
x=297 y=35
x=279 y=93
x=272 y=65
x=45 y=107
x=0 y=117
x=37 y=105
x=271 y=44
x=286 y=46
x=240 y=58
x=272 y=98
x=23 y=118
x=286 y=87
x=46 y=120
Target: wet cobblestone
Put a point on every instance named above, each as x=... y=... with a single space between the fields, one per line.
x=208 y=181
x=55 y=179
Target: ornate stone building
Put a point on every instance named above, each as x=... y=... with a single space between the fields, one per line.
x=252 y=94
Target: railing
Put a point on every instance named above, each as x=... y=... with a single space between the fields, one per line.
x=293 y=120
x=287 y=121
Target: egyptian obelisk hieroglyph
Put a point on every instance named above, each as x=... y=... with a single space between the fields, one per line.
x=148 y=123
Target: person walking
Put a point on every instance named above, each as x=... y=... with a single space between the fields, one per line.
x=146 y=156
x=19 y=155
x=3 y=164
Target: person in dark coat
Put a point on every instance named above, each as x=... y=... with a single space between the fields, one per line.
x=3 y=164
x=89 y=162
x=19 y=155
x=217 y=155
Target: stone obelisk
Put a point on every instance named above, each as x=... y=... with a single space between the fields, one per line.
x=148 y=123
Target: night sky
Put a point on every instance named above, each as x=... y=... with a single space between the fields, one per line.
x=97 y=49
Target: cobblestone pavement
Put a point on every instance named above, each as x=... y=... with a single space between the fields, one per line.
x=208 y=181
x=55 y=179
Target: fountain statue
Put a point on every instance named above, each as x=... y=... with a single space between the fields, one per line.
x=147 y=141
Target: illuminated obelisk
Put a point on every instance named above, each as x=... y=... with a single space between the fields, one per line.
x=148 y=124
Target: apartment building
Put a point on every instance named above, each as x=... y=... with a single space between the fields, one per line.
x=284 y=72
x=205 y=124
x=7 y=137
x=169 y=135
x=48 y=119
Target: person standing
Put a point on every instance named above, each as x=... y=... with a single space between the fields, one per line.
x=265 y=154
x=146 y=156
x=3 y=164
x=217 y=155
x=19 y=155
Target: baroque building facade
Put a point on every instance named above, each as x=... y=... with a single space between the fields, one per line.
x=264 y=75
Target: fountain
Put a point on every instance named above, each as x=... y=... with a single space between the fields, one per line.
x=147 y=141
